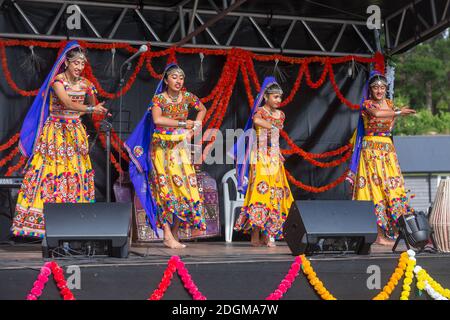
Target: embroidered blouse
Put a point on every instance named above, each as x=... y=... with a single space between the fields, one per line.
x=177 y=110
x=264 y=135
x=374 y=126
x=77 y=93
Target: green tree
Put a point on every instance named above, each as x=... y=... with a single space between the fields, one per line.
x=423 y=75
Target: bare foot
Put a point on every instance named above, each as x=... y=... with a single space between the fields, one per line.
x=385 y=242
x=269 y=241
x=255 y=240
x=255 y=243
x=173 y=244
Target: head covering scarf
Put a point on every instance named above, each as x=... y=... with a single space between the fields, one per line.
x=242 y=149
x=359 y=133
x=139 y=148
x=38 y=113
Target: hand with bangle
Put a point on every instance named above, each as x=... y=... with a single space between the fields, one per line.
x=197 y=124
x=188 y=124
x=404 y=111
x=99 y=108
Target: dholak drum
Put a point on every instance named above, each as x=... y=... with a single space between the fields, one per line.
x=440 y=216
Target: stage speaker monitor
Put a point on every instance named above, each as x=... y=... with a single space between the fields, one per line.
x=330 y=226
x=92 y=229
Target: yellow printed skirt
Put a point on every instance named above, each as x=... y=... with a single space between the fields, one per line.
x=379 y=179
x=268 y=198
x=60 y=171
x=174 y=182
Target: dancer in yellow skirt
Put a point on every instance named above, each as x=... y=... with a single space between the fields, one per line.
x=161 y=169
x=378 y=177
x=59 y=169
x=268 y=196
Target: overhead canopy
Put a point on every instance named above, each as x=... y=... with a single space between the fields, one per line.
x=296 y=27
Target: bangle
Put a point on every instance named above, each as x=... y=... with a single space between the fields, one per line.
x=274 y=127
x=90 y=109
x=182 y=124
x=398 y=112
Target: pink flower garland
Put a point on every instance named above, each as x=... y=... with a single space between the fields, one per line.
x=58 y=276
x=286 y=283
x=175 y=264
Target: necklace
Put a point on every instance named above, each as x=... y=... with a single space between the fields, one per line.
x=70 y=81
x=173 y=98
x=269 y=111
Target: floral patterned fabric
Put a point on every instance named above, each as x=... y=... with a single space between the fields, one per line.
x=268 y=197
x=379 y=177
x=173 y=179
x=376 y=126
x=60 y=169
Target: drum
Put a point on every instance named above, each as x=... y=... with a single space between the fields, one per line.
x=440 y=217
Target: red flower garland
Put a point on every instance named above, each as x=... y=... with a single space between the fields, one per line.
x=338 y=92
x=221 y=94
x=16 y=167
x=295 y=87
x=287 y=282
x=175 y=264
x=310 y=156
x=10 y=142
x=58 y=276
x=321 y=80
x=324 y=188
x=9 y=79
x=9 y=157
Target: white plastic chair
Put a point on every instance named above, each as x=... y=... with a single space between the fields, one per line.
x=229 y=204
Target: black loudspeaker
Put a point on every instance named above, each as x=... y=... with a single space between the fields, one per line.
x=330 y=226
x=91 y=229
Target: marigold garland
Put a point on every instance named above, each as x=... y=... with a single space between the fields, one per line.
x=9 y=157
x=175 y=264
x=314 y=280
x=432 y=287
x=288 y=280
x=383 y=295
x=17 y=166
x=237 y=59
x=10 y=142
x=58 y=275
x=394 y=279
x=324 y=188
x=310 y=156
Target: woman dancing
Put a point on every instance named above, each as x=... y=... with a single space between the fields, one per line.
x=53 y=137
x=161 y=170
x=375 y=172
x=261 y=174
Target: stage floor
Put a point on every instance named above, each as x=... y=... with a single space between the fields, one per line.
x=221 y=271
x=30 y=254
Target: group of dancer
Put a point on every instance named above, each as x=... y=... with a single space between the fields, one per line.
x=59 y=168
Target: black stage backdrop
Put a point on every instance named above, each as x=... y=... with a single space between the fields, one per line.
x=316 y=120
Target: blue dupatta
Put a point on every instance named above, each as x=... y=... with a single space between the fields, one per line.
x=243 y=147
x=139 y=147
x=38 y=113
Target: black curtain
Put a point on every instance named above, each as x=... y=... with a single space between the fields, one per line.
x=316 y=119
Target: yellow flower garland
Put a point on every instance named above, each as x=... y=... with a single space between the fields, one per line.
x=406 y=266
x=395 y=278
x=403 y=264
x=409 y=276
x=314 y=280
x=423 y=278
